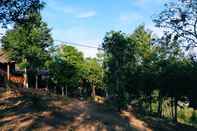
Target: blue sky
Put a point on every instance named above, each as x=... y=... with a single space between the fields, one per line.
x=87 y=21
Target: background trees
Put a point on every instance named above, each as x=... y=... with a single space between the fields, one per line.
x=119 y=58
x=66 y=68
x=93 y=75
x=29 y=44
x=140 y=67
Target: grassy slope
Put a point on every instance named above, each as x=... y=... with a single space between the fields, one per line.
x=26 y=109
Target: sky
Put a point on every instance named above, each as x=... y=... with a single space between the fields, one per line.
x=87 y=21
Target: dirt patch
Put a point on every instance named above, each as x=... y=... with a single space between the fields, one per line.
x=56 y=113
x=26 y=109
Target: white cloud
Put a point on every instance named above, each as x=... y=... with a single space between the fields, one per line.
x=87 y=14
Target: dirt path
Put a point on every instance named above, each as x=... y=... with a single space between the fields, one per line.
x=22 y=110
x=55 y=113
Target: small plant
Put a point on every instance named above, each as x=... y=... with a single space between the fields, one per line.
x=182 y=115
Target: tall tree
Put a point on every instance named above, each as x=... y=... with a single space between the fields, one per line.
x=146 y=57
x=66 y=68
x=29 y=42
x=93 y=74
x=119 y=58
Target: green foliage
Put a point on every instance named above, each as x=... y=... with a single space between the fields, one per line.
x=66 y=67
x=193 y=118
x=70 y=69
x=93 y=72
x=119 y=61
x=137 y=65
x=156 y=72
x=28 y=43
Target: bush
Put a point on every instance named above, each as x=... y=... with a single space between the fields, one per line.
x=183 y=115
x=193 y=119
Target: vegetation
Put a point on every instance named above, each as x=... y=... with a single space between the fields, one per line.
x=66 y=68
x=147 y=68
x=29 y=44
x=157 y=75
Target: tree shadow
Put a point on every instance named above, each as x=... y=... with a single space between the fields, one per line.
x=24 y=113
x=81 y=118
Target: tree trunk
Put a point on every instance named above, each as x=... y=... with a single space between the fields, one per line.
x=159 y=110
x=8 y=72
x=172 y=107
x=93 y=91
x=66 y=92
x=150 y=104
x=106 y=93
x=62 y=91
x=25 y=79
x=55 y=90
x=36 y=81
x=175 y=109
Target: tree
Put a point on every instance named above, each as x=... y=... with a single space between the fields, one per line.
x=18 y=10
x=93 y=74
x=180 y=18
x=66 y=68
x=146 y=57
x=119 y=58
x=28 y=44
x=29 y=41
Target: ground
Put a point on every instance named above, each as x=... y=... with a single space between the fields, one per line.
x=26 y=109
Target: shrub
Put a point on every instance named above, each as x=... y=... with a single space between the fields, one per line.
x=193 y=119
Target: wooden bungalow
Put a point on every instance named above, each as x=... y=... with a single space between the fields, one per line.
x=9 y=71
x=6 y=67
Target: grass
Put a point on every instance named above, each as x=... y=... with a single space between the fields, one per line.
x=185 y=115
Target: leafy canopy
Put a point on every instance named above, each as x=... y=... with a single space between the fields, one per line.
x=29 y=43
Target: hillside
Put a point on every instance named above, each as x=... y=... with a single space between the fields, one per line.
x=25 y=109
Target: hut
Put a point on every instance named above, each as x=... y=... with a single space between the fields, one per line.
x=6 y=66
x=9 y=71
